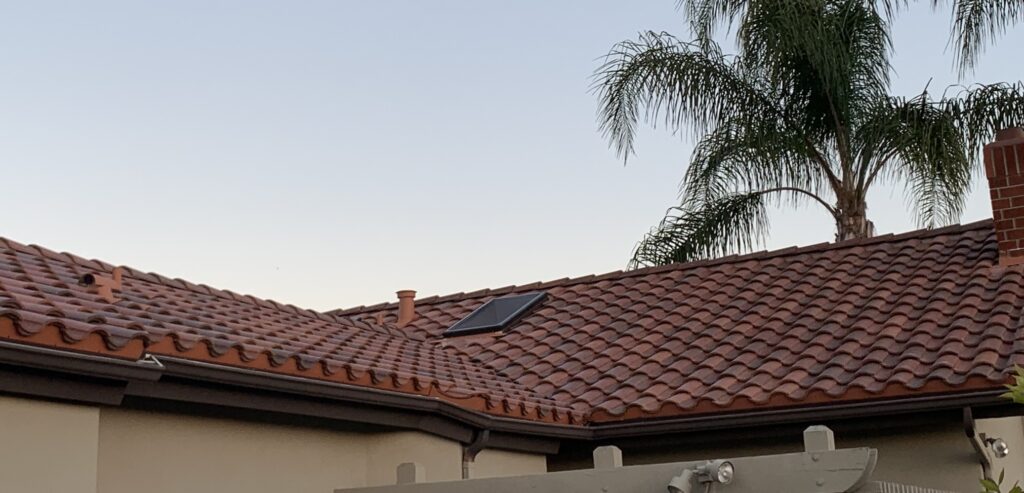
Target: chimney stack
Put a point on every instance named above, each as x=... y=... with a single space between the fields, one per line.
x=1004 y=166
x=406 y=307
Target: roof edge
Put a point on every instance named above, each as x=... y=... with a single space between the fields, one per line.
x=139 y=347
x=800 y=414
x=160 y=379
x=93 y=265
x=760 y=255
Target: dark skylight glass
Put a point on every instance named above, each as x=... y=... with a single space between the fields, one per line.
x=495 y=314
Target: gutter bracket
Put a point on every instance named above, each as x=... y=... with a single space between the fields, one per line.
x=150 y=360
x=470 y=451
x=978 y=442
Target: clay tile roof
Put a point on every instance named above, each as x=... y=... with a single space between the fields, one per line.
x=43 y=303
x=923 y=313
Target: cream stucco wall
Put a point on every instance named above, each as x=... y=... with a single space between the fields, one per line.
x=170 y=453
x=47 y=447
x=441 y=458
x=497 y=463
x=143 y=448
x=114 y=450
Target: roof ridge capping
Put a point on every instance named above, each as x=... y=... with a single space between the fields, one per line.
x=730 y=259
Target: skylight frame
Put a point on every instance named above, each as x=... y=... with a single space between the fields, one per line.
x=465 y=327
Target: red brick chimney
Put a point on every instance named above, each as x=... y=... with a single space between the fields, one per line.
x=1004 y=166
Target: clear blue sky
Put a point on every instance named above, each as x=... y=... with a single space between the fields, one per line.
x=328 y=153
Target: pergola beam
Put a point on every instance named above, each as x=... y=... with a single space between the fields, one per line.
x=818 y=469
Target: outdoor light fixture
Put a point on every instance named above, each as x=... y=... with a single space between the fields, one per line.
x=683 y=483
x=998 y=447
x=715 y=471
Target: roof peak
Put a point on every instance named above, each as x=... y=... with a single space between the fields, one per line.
x=729 y=259
x=94 y=265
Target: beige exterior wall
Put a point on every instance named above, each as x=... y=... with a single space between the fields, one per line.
x=47 y=447
x=169 y=453
x=114 y=450
x=441 y=458
x=497 y=463
x=60 y=448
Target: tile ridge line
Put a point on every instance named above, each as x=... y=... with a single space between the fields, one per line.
x=730 y=259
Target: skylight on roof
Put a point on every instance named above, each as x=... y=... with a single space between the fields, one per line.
x=495 y=314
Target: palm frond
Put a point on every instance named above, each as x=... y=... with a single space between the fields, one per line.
x=832 y=55
x=740 y=156
x=934 y=160
x=917 y=142
x=659 y=78
x=984 y=109
x=978 y=23
x=731 y=223
x=932 y=145
x=975 y=23
x=705 y=16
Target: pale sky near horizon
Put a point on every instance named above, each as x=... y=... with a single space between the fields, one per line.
x=329 y=153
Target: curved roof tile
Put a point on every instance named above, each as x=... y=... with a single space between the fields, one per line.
x=882 y=318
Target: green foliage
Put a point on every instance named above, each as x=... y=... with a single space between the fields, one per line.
x=1016 y=389
x=800 y=115
x=713 y=229
x=975 y=23
x=990 y=486
x=1016 y=393
x=978 y=23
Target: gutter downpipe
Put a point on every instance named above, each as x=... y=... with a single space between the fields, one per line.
x=976 y=442
x=470 y=451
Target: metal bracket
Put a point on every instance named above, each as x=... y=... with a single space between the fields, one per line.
x=150 y=360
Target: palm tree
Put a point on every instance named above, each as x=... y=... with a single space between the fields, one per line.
x=802 y=114
x=976 y=23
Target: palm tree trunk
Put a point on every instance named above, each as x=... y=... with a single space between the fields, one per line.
x=852 y=219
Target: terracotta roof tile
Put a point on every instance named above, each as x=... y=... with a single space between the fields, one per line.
x=42 y=303
x=881 y=318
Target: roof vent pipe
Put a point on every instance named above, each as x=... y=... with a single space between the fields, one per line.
x=104 y=285
x=406 y=307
